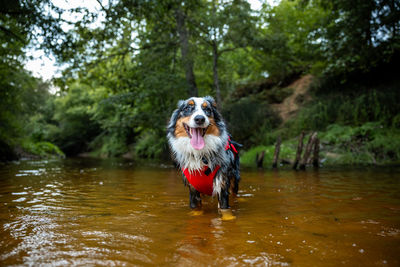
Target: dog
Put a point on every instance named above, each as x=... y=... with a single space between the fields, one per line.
x=203 y=150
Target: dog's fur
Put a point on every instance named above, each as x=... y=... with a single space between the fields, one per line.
x=184 y=120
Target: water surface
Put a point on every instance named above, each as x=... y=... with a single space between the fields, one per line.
x=86 y=212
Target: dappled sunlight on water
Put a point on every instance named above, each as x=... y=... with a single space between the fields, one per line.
x=85 y=212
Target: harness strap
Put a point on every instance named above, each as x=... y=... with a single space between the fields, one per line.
x=229 y=145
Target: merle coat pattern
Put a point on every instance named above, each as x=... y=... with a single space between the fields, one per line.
x=197 y=136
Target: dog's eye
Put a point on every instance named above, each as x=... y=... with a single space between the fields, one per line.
x=207 y=110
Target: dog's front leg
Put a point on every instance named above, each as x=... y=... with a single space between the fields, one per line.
x=223 y=201
x=223 y=195
x=194 y=198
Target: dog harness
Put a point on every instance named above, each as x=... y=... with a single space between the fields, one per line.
x=202 y=180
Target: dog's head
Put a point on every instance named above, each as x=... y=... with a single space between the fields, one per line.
x=197 y=122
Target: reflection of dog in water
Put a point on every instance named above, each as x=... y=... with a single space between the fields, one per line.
x=205 y=153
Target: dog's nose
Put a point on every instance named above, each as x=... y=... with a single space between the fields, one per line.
x=199 y=119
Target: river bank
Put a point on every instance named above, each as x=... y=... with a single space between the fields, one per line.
x=369 y=144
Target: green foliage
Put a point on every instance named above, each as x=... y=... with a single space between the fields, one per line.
x=359 y=33
x=385 y=145
x=150 y=145
x=275 y=94
x=288 y=152
x=337 y=134
x=248 y=158
x=75 y=126
x=42 y=149
x=370 y=143
x=396 y=121
x=291 y=41
x=352 y=107
x=248 y=119
x=23 y=98
x=110 y=145
x=23 y=115
x=16 y=87
x=123 y=78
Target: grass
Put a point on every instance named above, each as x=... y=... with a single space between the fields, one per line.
x=287 y=152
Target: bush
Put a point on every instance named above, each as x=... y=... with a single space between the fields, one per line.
x=76 y=128
x=248 y=120
x=385 y=145
x=42 y=149
x=109 y=145
x=276 y=94
x=151 y=145
x=370 y=143
x=356 y=108
x=337 y=134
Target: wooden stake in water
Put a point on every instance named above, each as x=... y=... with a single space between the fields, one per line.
x=316 y=154
x=299 y=150
x=260 y=159
x=276 y=153
x=307 y=153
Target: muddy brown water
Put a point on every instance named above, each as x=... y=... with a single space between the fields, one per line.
x=113 y=213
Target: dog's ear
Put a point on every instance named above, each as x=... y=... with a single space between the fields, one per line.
x=217 y=115
x=174 y=117
x=172 y=121
x=180 y=103
x=211 y=100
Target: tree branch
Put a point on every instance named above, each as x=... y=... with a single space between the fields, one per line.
x=102 y=7
x=9 y=32
x=229 y=49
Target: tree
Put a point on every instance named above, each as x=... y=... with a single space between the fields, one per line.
x=290 y=38
x=228 y=26
x=185 y=51
x=22 y=24
x=359 y=32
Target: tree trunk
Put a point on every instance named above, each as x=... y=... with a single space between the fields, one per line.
x=307 y=153
x=215 y=72
x=276 y=153
x=299 y=150
x=185 y=52
x=393 y=24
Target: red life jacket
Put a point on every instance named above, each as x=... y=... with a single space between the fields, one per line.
x=202 y=180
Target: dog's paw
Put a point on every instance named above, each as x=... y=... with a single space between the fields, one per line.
x=196 y=212
x=227 y=215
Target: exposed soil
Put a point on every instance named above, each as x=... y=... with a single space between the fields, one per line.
x=289 y=107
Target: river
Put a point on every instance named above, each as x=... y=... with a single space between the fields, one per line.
x=120 y=213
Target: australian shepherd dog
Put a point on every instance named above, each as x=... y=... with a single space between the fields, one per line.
x=203 y=150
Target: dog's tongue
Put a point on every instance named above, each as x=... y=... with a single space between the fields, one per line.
x=197 y=140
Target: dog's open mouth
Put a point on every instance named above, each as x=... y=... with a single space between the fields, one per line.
x=196 y=136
